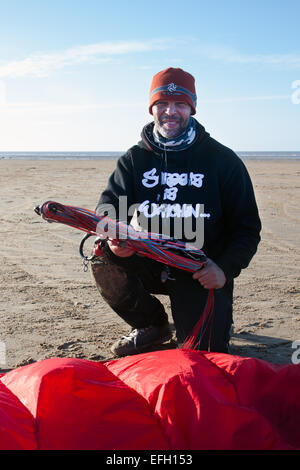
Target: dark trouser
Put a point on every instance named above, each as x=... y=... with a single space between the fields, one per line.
x=127 y=285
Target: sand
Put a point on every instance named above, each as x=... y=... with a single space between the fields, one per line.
x=50 y=307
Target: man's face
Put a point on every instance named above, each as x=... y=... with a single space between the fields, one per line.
x=171 y=117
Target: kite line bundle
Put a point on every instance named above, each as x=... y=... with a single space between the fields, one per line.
x=167 y=251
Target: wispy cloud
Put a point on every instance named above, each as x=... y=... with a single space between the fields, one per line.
x=42 y=64
x=245 y=98
x=230 y=55
x=46 y=107
x=41 y=107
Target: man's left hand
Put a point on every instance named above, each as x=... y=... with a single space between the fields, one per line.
x=210 y=276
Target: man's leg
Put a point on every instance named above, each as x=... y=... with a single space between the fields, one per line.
x=125 y=284
x=188 y=301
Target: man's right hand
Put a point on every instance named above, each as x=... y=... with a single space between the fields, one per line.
x=118 y=250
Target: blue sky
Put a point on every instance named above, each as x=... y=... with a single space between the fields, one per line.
x=75 y=75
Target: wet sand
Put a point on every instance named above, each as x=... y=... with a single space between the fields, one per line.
x=49 y=307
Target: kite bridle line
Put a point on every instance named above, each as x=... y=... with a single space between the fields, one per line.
x=167 y=251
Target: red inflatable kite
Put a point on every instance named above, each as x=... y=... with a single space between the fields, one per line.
x=164 y=400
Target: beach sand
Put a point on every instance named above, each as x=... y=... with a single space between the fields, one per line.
x=50 y=307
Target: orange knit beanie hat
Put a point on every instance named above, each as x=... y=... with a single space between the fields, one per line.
x=173 y=85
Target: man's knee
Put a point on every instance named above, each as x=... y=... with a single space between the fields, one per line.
x=111 y=280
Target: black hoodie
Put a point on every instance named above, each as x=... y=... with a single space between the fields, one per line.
x=207 y=183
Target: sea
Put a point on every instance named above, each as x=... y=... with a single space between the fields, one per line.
x=253 y=155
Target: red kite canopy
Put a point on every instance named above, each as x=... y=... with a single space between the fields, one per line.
x=164 y=400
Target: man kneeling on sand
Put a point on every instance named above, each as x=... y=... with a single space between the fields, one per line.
x=176 y=174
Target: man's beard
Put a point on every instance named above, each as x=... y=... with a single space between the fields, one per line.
x=171 y=133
